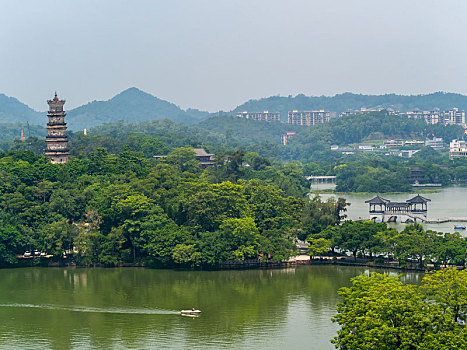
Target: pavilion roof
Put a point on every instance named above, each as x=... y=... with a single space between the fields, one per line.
x=418 y=199
x=397 y=205
x=377 y=200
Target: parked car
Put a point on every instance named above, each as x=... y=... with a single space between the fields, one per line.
x=27 y=253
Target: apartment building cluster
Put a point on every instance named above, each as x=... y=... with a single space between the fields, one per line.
x=392 y=147
x=265 y=116
x=364 y=110
x=308 y=118
x=449 y=117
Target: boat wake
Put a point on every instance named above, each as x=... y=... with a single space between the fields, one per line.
x=136 y=311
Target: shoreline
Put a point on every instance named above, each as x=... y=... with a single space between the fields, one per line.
x=247 y=265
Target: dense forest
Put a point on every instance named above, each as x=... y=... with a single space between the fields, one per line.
x=113 y=209
x=359 y=172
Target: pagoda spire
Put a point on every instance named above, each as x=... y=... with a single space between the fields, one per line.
x=56 y=140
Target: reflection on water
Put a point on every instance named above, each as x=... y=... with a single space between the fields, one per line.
x=448 y=202
x=139 y=308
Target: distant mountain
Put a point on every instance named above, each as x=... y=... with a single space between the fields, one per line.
x=343 y=102
x=130 y=106
x=134 y=106
x=13 y=111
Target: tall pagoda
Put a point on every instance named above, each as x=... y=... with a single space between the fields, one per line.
x=56 y=140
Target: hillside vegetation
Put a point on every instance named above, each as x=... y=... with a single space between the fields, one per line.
x=130 y=106
x=13 y=111
x=355 y=128
x=343 y=102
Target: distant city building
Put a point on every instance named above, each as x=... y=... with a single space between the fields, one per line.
x=365 y=147
x=364 y=110
x=56 y=140
x=285 y=137
x=454 y=116
x=308 y=118
x=408 y=153
x=413 y=142
x=430 y=117
x=457 y=148
x=435 y=143
x=393 y=143
x=266 y=116
x=449 y=117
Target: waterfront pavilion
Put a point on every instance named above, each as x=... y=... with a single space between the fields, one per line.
x=415 y=205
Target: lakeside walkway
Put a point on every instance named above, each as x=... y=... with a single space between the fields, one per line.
x=420 y=218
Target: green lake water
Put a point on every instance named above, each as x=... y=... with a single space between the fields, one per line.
x=78 y=308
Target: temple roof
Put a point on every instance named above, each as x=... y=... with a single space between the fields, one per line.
x=377 y=200
x=418 y=199
x=201 y=152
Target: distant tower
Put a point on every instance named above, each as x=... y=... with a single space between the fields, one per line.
x=22 y=135
x=56 y=140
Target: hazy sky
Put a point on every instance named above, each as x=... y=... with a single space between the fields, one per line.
x=216 y=54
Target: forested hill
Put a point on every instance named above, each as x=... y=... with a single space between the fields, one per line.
x=11 y=131
x=343 y=102
x=239 y=131
x=131 y=106
x=352 y=129
x=12 y=111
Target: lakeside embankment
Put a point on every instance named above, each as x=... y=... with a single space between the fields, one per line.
x=252 y=264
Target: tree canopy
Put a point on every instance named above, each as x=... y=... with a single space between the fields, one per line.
x=380 y=312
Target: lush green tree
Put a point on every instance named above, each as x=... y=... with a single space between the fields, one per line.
x=186 y=254
x=318 y=246
x=243 y=237
x=379 y=311
x=448 y=288
x=12 y=242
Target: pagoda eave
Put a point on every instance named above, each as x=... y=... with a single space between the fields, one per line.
x=56 y=139
x=57 y=153
x=56 y=125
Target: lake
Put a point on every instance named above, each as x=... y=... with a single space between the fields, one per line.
x=78 y=308
x=446 y=202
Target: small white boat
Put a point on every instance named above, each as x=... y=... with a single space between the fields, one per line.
x=190 y=312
